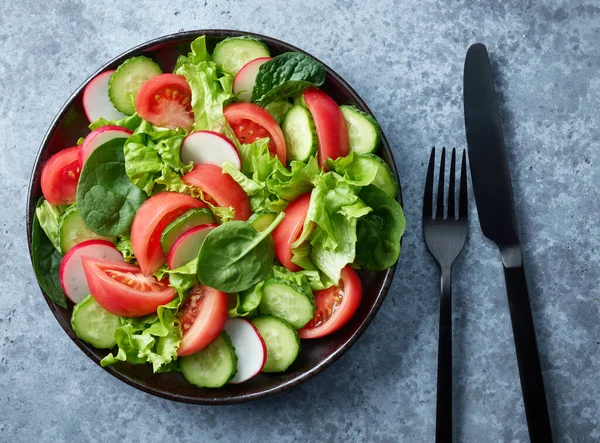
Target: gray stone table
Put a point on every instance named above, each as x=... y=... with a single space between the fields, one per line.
x=405 y=58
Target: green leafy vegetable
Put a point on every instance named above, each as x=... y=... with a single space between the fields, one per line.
x=379 y=232
x=286 y=75
x=106 y=198
x=250 y=299
x=356 y=170
x=181 y=279
x=46 y=262
x=235 y=256
x=278 y=109
x=124 y=246
x=130 y=122
x=298 y=278
x=49 y=217
x=197 y=54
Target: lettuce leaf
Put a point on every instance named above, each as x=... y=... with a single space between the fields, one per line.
x=130 y=122
x=197 y=54
x=49 y=217
x=124 y=246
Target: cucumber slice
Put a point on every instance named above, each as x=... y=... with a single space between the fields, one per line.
x=262 y=220
x=127 y=80
x=363 y=130
x=94 y=324
x=282 y=341
x=72 y=230
x=233 y=53
x=384 y=179
x=182 y=224
x=278 y=109
x=213 y=366
x=300 y=134
x=288 y=301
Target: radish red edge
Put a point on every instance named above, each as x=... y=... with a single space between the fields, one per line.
x=72 y=276
x=250 y=360
x=98 y=137
x=188 y=245
x=244 y=81
x=209 y=147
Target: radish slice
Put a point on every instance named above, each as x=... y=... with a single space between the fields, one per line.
x=98 y=137
x=72 y=277
x=246 y=78
x=96 y=103
x=209 y=147
x=187 y=247
x=249 y=347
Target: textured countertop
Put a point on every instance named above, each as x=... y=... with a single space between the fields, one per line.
x=405 y=59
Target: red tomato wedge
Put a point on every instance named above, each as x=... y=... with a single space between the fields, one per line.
x=203 y=317
x=219 y=188
x=166 y=100
x=149 y=223
x=251 y=122
x=332 y=130
x=288 y=231
x=335 y=306
x=122 y=289
x=60 y=176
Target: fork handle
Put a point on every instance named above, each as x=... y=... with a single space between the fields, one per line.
x=532 y=383
x=443 y=428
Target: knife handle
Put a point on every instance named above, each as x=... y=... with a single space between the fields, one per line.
x=532 y=383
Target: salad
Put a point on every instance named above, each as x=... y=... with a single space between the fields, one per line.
x=214 y=216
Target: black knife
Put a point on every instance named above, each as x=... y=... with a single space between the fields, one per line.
x=494 y=198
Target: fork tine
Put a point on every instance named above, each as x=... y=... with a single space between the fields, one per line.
x=428 y=195
x=463 y=198
x=451 y=190
x=440 y=197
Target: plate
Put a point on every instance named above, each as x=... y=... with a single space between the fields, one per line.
x=71 y=123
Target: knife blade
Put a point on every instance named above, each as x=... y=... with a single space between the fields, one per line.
x=492 y=188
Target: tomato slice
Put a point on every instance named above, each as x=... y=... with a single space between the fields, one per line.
x=166 y=101
x=332 y=130
x=150 y=221
x=335 y=306
x=122 y=289
x=219 y=189
x=288 y=231
x=60 y=176
x=203 y=317
x=251 y=122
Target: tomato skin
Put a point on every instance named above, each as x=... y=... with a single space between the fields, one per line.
x=288 y=231
x=165 y=100
x=149 y=222
x=60 y=175
x=202 y=327
x=251 y=122
x=332 y=129
x=352 y=295
x=221 y=189
x=143 y=297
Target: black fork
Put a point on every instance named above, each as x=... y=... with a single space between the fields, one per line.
x=445 y=237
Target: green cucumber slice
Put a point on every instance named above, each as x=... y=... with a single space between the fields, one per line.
x=384 y=179
x=363 y=130
x=300 y=134
x=282 y=341
x=73 y=230
x=213 y=366
x=233 y=53
x=94 y=324
x=262 y=220
x=278 y=109
x=182 y=224
x=127 y=80
x=287 y=301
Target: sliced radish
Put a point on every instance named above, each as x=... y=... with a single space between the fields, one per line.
x=187 y=247
x=249 y=347
x=72 y=277
x=246 y=78
x=96 y=103
x=209 y=147
x=98 y=137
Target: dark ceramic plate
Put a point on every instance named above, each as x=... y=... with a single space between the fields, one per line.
x=316 y=355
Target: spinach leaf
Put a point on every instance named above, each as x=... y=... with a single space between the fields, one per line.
x=235 y=256
x=379 y=232
x=46 y=263
x=286 y=75
x=106 y=198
